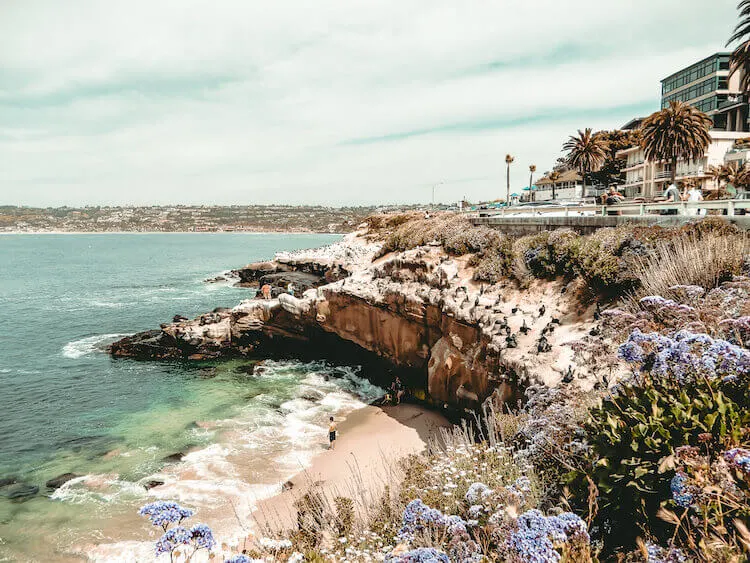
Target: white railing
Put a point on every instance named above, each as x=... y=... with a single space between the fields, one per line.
x=690 y=208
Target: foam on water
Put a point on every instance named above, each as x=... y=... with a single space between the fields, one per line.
x=274 y=437
x=85 y=346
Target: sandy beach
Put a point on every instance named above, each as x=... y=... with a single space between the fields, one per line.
x=365 y=459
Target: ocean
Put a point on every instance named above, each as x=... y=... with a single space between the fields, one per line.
x=68 y=407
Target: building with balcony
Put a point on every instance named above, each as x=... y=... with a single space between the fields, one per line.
x=568 y=186
x=648 y=179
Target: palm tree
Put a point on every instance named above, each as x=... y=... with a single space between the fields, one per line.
x=554 y=177
x=722 y=173
x=586 y=153
x=678 y=131
x=508 y=161
x=741 y=55
x=532 y=169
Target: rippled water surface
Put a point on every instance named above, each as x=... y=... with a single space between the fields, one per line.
x=67 y=407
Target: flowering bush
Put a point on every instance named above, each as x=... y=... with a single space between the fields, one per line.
x=687 y=390
x=164 y=514
x=540 y=539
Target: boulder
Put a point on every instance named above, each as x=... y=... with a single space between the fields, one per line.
x=5 y=481
x=60 y=480
x=150 y=484
x=173 y=458
x=19 y=491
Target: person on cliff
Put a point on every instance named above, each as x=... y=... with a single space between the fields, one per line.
x=290 y=288
x=266 y=291
x=331 y=434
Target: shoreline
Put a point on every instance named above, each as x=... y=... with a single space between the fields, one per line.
x=10 y=233
x=370 y=442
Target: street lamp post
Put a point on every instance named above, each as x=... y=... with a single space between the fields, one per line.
x=433 y=191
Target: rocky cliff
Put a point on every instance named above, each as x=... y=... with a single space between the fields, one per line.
x=455 y=340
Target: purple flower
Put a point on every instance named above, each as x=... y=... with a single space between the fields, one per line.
x=202 y=536
x=163 y=513
x=657 y=554
x=680 y=493
x=172 y=539
x=537 y=536
x=238 y=559
x=421 y=555
x=739 y=458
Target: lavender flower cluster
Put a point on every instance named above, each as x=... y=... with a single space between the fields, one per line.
x=685 y=355
x=658 y=554
x=418 y=517
x=537 y=537
x=165 y=513
x=680 y=491
x=739 y=458
x=421 y=555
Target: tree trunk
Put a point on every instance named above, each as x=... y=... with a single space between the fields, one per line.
x=583 y=181
x=531 y=187
x=507 y=188
x=553 y=191
x=674 y=169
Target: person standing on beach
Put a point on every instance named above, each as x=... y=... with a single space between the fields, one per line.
x=331 y=434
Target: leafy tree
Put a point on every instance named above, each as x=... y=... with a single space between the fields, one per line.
x=611 y=172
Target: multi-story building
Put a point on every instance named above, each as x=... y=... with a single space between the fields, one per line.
x=644 y=178
x=708 y=86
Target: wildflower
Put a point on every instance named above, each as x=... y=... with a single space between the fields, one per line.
x=164 y=513
x=202 y=536
x=657 y=554
x=172 y=539
x=680 y=492
x=241 y=559
x=275 y=545
x=739 y=458
x=477 y=493
x=537 y=536
x=421 y=555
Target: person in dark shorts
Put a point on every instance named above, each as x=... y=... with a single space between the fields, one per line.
x=331 y=434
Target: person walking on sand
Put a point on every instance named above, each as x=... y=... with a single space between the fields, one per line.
x=331 y=434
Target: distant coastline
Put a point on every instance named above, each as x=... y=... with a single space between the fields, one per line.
x=256 y=232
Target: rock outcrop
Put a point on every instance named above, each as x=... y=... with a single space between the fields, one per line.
x=419 y=310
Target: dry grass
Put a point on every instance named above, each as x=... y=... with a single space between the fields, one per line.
x=707 y=262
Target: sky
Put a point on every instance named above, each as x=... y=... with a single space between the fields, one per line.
x=344 y=102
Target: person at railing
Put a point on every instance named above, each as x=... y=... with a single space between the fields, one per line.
x=673 y=195
x=613 y=197
x=695 y=194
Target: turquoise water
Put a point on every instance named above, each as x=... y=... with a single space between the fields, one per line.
x=67 y=407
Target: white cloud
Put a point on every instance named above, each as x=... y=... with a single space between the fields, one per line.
x=329 y=101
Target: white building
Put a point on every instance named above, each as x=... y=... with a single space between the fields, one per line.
x=568 y=186
x=649 y=179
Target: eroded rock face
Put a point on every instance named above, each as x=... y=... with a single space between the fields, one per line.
x=418 y=309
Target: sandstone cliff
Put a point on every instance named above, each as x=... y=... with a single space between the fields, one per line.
x=458 y=341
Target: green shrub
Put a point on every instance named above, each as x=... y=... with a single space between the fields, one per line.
x=691 y=391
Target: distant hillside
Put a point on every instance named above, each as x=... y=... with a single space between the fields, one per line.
x=184 y=218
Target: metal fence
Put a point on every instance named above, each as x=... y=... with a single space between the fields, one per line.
x=727 y=207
